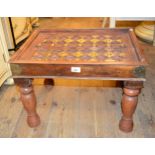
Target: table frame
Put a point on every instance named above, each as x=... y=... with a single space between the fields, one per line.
x=132 y=74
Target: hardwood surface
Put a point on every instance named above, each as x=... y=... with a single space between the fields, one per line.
x=85 y=113
x=80 y=46
x=80 y=22
x=65 y=117
x=100 y=54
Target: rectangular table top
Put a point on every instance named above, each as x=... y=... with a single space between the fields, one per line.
x=81 y=46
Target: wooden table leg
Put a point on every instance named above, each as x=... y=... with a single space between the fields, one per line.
x=131 y=91
x=29 y=101
x=48 y=83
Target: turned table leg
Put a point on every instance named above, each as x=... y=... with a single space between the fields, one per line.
x=131 y=91
x=49 y=83
x=29 y=101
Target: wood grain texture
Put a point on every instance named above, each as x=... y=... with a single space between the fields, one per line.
x=101 y=54
x=63 y=113
x=81 y=46
x=129 y=104
x=100 y=72
x=98 y=109
x=28 y=99
x=144 y=116
x=80 y=22
x=112 y=54
x=10 y=110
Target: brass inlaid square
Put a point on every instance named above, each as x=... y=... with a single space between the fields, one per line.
x=86 y=46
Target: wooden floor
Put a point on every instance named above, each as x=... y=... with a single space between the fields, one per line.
x=79 y=108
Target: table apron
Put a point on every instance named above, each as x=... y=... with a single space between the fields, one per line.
x=76 y=71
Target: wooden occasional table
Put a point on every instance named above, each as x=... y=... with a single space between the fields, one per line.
x=101 y=54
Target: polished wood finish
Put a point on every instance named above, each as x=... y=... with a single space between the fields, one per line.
x=83 y=46
x=29 y=101
x=114 y=53
x=131 y=91
x=100 y=72
x=102 y=54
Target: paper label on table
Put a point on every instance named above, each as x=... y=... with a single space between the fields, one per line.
x=76 y=69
